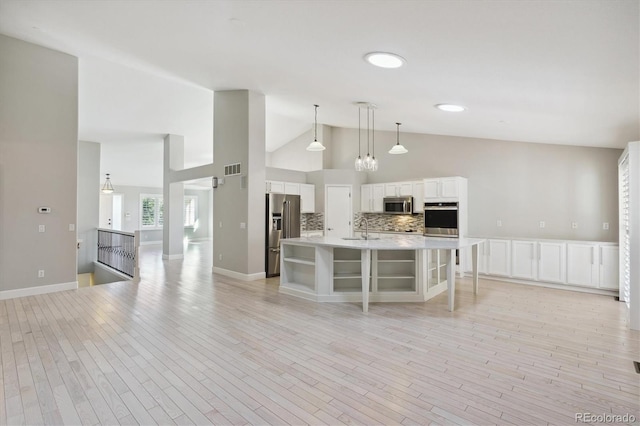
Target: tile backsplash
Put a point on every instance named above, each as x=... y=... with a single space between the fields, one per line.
x=377 y=221
x=312 y=221
x=390 y=222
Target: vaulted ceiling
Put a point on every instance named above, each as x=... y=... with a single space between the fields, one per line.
x=560 y=72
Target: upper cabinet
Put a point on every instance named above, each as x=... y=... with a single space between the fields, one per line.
x=275 y=187
x=307 y=198
x=445 y=189
x=418 y=196
x=307 y=193
x=371 y=198
x=398 y=189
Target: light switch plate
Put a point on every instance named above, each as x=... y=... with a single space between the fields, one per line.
x=41 y=228
x=605 y=226
x=542 y=224
x=498 y=223
x=574 y=225
x=72 y=227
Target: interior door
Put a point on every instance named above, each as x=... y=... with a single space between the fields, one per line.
x=338 y=211
x=105 y=218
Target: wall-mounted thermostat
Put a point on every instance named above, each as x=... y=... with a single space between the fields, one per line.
x=44 y=209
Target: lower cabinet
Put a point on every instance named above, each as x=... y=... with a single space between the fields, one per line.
x=499 y=257
x=582 y=264
x=608 y=277
x=552 y=262
x=523 y=259
x=573 y=263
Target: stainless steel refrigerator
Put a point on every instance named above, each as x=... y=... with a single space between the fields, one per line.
x=282 y=221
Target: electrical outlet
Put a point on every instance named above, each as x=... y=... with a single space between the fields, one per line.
x=220 y=256
x=499 y=223
x=72 y=227
x=41 y=273
x=41 y=228
x=220 y=224
x=605 y=226
x=243 y=225
x=574 y=225
x=542 y=224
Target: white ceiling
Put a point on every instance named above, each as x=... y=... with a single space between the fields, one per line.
x=560 y=72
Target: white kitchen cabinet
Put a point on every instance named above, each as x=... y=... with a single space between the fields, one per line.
x=582 y=264
x=523 y=259
x=291 y=188
x=445 y=189
x=418 y=196
x=499 y=257
x=307 y=198
x=398 y=189
x=371 y=198
x=552 y=262
x=608 y=266
x=275 y=187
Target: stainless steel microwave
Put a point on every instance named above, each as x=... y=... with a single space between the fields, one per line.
x=441 y=219
x=398 y=205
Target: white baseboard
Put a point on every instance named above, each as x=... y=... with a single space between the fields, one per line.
x=557 y=286
x=172 y=256
x=32 y=291
x=239 y=275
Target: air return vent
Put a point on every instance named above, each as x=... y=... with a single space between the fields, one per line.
x=232 y=169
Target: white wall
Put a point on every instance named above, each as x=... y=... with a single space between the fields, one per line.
x=286 y=175
x=519 y=183
x=131 y=212
x=38 y=159
x=88 y=203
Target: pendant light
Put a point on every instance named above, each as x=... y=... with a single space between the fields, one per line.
x=359 y=163
x=107 y=188
x=397 y=148
x=369 y=163
x=315 y=145
x=374 y=162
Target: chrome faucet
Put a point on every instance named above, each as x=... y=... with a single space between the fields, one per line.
x=366 y=227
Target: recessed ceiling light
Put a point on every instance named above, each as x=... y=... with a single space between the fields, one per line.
x=384 y=59
x=450 y=107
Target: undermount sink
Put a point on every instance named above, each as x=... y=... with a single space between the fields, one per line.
x=360 y=238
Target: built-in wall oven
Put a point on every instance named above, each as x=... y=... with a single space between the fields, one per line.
x=441 y=219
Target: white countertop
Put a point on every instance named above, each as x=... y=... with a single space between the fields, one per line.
x=396 y=242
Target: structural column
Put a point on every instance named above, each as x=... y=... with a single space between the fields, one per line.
x=173 y=195
x=239 y=202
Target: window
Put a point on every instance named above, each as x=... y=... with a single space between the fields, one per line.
x=190 y=210
x=152 y=211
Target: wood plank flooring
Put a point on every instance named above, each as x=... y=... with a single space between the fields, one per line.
x=184 y=346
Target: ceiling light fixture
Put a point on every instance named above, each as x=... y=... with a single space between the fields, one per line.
x=384 y=59
x=397 y=148
x=450 y=107
x=369 y=164
x=107 y=188
x=315 y=145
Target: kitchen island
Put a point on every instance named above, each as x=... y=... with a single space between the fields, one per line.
x=394 y=269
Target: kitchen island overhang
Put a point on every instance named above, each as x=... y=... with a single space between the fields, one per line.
x=307 y=268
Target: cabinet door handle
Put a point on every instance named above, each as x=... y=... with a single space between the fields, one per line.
x=600 y=256
x=539 y=250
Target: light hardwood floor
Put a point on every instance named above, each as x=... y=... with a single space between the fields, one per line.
x=187 y=347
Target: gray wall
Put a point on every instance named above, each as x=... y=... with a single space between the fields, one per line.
x=304 y=160
x=131 y=212
x=239 y=119
x=519 y=183
x=285 y=175
x=88 y=203
x=38 y=159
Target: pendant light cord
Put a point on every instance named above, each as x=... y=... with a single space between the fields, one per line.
x=359 y=129
x=373 y=131
x=315 y=127
x=398 y=133
x=368 y=131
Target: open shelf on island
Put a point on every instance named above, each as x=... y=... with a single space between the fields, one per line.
x=301 y=260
